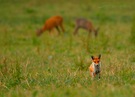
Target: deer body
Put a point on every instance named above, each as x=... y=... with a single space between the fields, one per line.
x=95 y=67
x=85 y=24
x=51 y=23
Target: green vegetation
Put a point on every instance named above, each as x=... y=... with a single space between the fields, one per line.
x=57 y=66
x=133 y=31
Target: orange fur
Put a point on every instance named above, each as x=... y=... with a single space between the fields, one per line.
x=53 y=22
x=91 y=71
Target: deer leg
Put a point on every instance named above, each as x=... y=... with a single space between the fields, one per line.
x=58 y=29
x=89 y=32
x=96 y=34
x=76 y=30
x=61 y=25
x=50 y=31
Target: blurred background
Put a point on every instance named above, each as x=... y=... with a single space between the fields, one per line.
x=57 y=65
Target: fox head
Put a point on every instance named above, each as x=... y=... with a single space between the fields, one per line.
x=96 y=60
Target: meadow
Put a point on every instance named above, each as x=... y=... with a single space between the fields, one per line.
x=57 y=65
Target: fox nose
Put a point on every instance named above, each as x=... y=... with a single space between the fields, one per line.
x=97 y=65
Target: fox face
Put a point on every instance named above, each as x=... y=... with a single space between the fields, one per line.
x=96 y=60
x=95 y=67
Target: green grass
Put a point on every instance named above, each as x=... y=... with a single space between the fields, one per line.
x=133 y=31
x=57 y=66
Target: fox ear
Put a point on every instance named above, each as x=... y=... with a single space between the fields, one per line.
x=92 y=57
x=99 y=56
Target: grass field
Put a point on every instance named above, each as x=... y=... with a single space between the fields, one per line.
x=57 y=66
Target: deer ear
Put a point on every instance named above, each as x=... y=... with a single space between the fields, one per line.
x=92 y=57
x=99 y=56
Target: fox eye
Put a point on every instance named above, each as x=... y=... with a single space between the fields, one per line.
x=96 y=61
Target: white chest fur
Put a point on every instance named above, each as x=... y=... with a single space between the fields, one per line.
x=96 y=68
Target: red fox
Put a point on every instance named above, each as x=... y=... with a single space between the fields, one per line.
x=85 y=24
x=53 y=22
x=94 y=68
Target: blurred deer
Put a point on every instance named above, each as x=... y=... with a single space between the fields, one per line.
x=51 y=23
x=85 y=24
